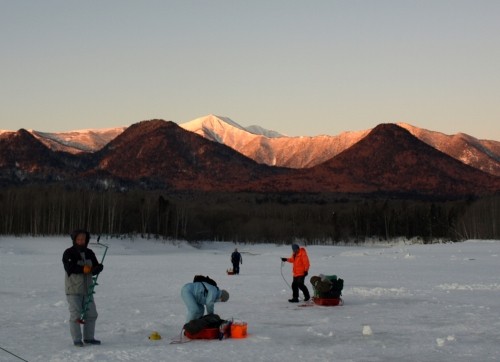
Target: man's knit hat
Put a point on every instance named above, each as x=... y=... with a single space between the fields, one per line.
x=224 y=295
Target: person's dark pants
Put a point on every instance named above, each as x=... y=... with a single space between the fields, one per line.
x=298 y=283
x=236 y=268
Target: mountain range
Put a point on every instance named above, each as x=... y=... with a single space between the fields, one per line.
x=216 y=154
x=274 y=149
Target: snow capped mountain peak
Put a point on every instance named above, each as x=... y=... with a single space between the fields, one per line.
x=85 y=140
x=270 y=147
x=213 y=127
x=2 y=131
x=210 y=121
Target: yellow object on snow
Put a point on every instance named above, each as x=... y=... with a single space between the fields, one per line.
x=154 y=336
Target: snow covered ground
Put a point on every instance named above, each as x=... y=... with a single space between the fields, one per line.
x=436 y=302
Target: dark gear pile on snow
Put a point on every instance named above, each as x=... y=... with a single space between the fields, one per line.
x=207 y=321
x=327 y=286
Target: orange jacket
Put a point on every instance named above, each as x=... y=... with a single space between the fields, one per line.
x=300 y=262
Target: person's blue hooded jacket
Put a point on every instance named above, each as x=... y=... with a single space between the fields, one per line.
x=206 y=297
x=197 y=296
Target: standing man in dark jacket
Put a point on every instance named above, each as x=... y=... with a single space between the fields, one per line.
x=236 y=260
x=80 y=263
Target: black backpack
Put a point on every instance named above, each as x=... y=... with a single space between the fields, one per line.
x=337 y=286
x=205 y=279
x=207 y=321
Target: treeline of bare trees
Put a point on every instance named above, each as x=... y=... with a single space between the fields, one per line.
x=53 y=211
x=316 y=218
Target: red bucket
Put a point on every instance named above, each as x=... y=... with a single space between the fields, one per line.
x=207 y=333
x=239 y=330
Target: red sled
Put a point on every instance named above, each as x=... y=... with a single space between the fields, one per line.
x=230 y=272
x=207 y=333
x=328 y=302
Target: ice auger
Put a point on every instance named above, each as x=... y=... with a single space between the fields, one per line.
x=90 y=290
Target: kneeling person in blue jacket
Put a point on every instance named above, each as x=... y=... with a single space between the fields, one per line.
x=198 y=295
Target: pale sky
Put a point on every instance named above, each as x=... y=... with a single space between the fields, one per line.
x=297 y=67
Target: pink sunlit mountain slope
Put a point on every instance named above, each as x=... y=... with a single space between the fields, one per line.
x=77 y=141
x=270 y=147
x=481 y=154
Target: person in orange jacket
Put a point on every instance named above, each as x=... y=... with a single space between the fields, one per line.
x=300 y=262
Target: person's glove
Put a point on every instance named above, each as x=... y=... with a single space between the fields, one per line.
x=87 y=269
x=97 y=269
x=283 y=259
x=305 y=273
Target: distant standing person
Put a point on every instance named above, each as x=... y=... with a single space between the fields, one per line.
x=301 y=265
x=236 y=260
x=80 y=263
